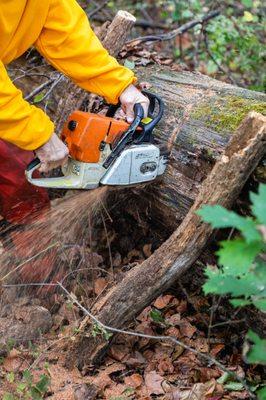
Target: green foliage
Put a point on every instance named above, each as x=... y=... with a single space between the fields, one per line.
x=242 y=267
x=157 y=316
x=38 y=98
x=257 y=352
x=27 y=388
x=99 y=330
x=262 y=394
x=234 y=40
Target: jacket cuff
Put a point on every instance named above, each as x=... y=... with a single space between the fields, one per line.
x=114 y=99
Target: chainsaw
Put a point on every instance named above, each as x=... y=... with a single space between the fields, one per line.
x=107 y=151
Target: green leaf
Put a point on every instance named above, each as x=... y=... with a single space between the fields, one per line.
x=27 y=376
x=224 y=378
x=35 y=394
x=156 y=315
x=260 y=304
x=129 y=64
x=220 y=283
x=248 y=17
x=8 y=396
x=247 y=3
x=10 y=377
x=187 y=14
x=38 y=98
x=43 y=384
x=234 y=386
x=236 y=256
x=219 y=217
x=240 y=302
x=259 y=204
x=21 y=387
x=262 y=393
x=257 y=352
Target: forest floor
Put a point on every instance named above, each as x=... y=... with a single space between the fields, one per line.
x=135 y=368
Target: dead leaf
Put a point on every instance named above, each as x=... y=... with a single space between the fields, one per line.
x=165 y=366
x=134 y=380
x=147 y=250
x=99 y=285
x=199 y=391
x=102 y=379
x=200 y=344
x=118 y=352
x=182 y=307
x=173 y=332
x=174 y=319
x=216 y=349
x=186 y=329
x=15 y=361
x=177 y=352
x=163 y=301
x=153 y=383
x=135 y=360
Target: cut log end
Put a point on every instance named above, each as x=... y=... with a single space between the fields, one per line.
x=126 y=15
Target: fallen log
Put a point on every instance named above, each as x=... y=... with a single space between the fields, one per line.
x=146 y=281
x=200 y=117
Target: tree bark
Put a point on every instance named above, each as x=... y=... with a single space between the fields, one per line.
x=180 y=251
x=113 y=37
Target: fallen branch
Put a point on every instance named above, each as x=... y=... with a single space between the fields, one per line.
x=146 y=281
x=179 y=31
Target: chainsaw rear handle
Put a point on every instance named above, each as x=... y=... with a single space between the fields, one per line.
x=64 y=182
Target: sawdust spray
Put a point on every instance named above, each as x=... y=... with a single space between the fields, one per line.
x=49 y=248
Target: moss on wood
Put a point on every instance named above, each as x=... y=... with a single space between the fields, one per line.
x=225 y=114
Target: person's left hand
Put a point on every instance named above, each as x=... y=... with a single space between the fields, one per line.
x=131 y=96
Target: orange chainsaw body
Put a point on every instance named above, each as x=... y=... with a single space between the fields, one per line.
x=85 y=132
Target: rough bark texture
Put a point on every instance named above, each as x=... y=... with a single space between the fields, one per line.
x=179 y=252
x=200 y=117
x=113 y=37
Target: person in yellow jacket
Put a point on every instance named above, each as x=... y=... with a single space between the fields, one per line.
x=60 y=31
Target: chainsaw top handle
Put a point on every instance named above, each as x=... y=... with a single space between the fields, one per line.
x=130 y=135
x=154 y=119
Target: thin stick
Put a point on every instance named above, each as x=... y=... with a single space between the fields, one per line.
x=98 y=8
x=179 y=31
x=39 y=89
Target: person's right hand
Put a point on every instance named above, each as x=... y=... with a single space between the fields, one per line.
x=52 y=154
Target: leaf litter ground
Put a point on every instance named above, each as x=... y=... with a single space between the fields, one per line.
x=135 y=368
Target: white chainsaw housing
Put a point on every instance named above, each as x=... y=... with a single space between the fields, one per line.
x=136 y=164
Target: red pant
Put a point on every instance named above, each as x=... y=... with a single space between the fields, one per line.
x=18 y=198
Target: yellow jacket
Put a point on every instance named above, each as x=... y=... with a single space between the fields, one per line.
x=60 y=30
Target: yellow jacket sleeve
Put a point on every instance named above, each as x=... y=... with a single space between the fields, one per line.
x=26 y=126
x=71 y=46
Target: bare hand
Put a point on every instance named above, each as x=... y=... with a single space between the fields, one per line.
x=52 y=154
x=131 y=96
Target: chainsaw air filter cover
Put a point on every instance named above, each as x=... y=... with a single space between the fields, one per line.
x=84 y=133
